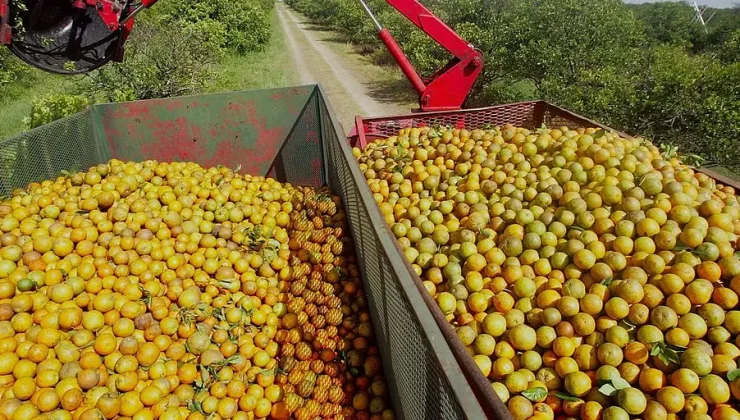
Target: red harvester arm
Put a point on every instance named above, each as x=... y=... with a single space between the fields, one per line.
x=448 y=88
x=5 y=32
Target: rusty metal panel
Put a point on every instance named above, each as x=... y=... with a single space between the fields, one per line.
x=236 y=129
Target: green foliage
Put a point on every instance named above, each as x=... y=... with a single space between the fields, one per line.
x=245 y=24
x=11 y=70
x=175 y=47
x=161 y=61
x=719 y=115
x=641 y=69
x=53 y=107
x=557 y=41
x=673 y=23
x=670 y=23
x=6 y=74
x=729 y=52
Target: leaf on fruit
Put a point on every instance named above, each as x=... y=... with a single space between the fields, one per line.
x=733 y=374
x=535 y=394
x=628 y=325
x=566 y=397
x=667 y=354
x=599 y=134
x=620 y=383
x=607 y=281
x=608 y=390
x=676 y=348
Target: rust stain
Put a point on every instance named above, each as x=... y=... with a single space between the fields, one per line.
x=244 y=131
x=236 y=107
x=111 y=133
x=173 y=104
x=175 y=140
x=132 y=110
x=316 y=166
x=231 y=153
x=287 y=93
x=312 y=137
x=268 y=141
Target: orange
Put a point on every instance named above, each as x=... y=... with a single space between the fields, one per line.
x=636 y=353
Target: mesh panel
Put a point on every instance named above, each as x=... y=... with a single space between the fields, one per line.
x=420 y=386
x=43 y=153
x=300 y=159
x=522 y=115
x=527 y=114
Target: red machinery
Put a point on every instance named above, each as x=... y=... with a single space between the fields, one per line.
x=68 y=36
x=448 y=88
x=77 y=36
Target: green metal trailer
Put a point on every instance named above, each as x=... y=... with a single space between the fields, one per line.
x=290 y=134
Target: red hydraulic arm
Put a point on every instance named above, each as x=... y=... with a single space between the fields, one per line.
x=5 y=33
x=448 y=88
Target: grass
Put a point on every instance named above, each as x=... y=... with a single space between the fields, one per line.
x=16 y=101
x=257 y=70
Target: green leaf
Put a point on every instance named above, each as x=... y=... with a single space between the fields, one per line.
x=566 y=397
x=620 y=383
x=663 y=358
x=628 y=325
x=673 y=357
x=599 y=134
x=733 y=374
x=607 y=281
x=535 y=394
x=675 y=347
x=195 y=407
x=665 y=353
x=608 y=390
x=681 y=247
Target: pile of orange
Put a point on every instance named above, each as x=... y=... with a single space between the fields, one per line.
x=588 y=275
x=169 y=291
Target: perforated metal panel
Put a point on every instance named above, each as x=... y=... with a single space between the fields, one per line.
x=524 y=114
x=425 y=379
x=44 y=152
x=300 y=159
x=521 y=115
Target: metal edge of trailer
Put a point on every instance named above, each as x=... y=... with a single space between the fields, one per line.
x=455 y=374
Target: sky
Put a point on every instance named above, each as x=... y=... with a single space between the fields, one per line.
x=712 y=3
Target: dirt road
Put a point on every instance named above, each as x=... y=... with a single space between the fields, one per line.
x=353 y=84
